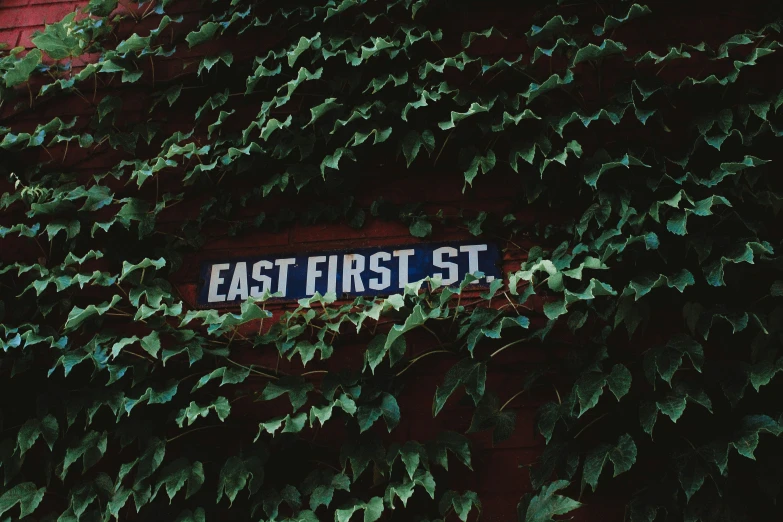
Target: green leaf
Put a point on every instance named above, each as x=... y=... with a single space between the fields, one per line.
x=421 y=227
x=589 y=389
x=295 y=387
x=151 y=344
x=205 y=33
x=90 y=449
x=619 y=381
x=412 y=143
x=594 y=52
x=319 y=110
x=194 y=411
x=176 y=475
x=372 y=510
x=22 y=68
x=227 y=375
x=387 y=407
x=612 y=22
x=60 y=40
x=78 y=315
x=289 y=423
x=102 y=7
x=133 y=43
x=378 y=349
x=746 y=438
x=622 y=456
x=469 y=373
x=544 y=506
x=47 y=427
x=26 y=494
x=462 y=504
x=238 y=473
x=489 y=416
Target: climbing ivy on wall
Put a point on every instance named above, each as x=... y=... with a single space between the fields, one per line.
x=654 y=297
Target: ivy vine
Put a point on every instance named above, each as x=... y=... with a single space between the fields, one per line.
x=634 y=159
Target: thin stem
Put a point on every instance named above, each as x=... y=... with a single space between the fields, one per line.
x=441 y=148
x=590 y=424
x=251 y=370
x=418 y=358
x=506 y=346
x=195 y=430
x=520 y=392
x=121 y=288
x=456 y=309
x=313 y=372
x=433 y=334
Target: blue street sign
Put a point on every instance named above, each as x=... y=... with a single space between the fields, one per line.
x=362 y=271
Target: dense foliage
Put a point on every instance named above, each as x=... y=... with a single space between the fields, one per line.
x=655 y=296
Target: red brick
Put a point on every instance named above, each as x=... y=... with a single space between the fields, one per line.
x=39 y=15
x=26 y=35
x=9 y=37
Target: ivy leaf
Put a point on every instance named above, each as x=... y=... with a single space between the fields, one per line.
x=469 y=373
x=228 y=375
x=589 y=389
x=489 y=416
x=319 y=110
x=90 y=449
x=377 y=350
x=547 y=504
x=78 y=315
x=237 y=474
x=151 y=344
x=205 y=33
x=22 y=69
x=746 y=439
x=619 y=381
x=372 y=510
x=449 y=441
x=176 y=475
x=295 y=387
x=412 y=143
x=59 y=40
x=102 y=7
x=290 y=424
x=462 y=504
x=33 y=428
x=194 y=411
x=386 y=407
x=421 y=227
x=622 y=455
x=691 y=476
x=26 y=494
x=479 y=162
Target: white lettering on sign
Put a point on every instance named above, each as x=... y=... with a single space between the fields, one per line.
x=362 y=271
x=313 y=273
x=376 y=267
x=282 y=277
x=215 y=281
x=353 y=266
x=238 y=288
x=265 y=280
x=473 y=259
x=438 y=262
x=403 y=255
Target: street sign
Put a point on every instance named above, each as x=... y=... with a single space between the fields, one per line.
x=362 y=271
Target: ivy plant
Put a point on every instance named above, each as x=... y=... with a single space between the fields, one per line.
x=632 y=149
